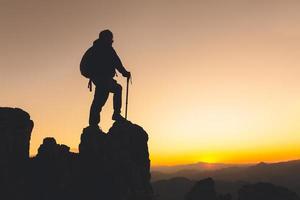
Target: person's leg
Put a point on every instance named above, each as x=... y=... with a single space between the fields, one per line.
x=100 y=97
x=116 y=89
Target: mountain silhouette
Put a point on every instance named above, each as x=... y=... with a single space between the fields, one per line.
x=194 y=167
x=281 y=173
x=172 y=189
x=209 y=189
x=262 y=191
x=205 y=189
x=231 y=179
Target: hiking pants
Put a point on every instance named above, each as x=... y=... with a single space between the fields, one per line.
x=103 y=88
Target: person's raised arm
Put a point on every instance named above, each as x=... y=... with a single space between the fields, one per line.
x=119 y=66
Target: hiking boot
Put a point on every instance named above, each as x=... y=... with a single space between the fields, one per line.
x=94 y=127
x=118 y=117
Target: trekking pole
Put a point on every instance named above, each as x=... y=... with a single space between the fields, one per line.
x=127 y=88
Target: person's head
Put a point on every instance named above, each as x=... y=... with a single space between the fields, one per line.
x=106 y=36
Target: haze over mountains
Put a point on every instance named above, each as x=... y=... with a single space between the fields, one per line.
x=199 y=166
x=228 y=171
x=194 y=167
x=228 y=178
x=187 y=170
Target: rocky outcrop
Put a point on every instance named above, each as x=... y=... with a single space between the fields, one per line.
x=53 y=171
x=15 y=133
x=50 y=150
x=113 y=165
x=128 y=149
x=263 y=191
x=119 y=159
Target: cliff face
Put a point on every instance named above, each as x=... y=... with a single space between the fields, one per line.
x=119 y=159
x=15 y=133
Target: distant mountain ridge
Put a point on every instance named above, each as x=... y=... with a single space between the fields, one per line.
x=229 y=179
x=208 y=189
x=188 y=170
x=199 y=166
x=224 y=171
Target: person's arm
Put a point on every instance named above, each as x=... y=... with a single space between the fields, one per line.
x=118 y=64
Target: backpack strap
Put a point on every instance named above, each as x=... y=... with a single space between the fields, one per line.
x=90 y=85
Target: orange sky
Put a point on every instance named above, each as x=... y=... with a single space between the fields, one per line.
x=213 y=80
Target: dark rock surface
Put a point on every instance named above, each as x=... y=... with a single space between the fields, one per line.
x=15 y=133
x=264 y=191
x=119 y=159
x=113 y=165
x=52 y=171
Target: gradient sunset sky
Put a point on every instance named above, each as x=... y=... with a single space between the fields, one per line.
x=213 y=80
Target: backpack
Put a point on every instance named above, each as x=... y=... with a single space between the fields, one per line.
x=97 y=62
x=87 y=64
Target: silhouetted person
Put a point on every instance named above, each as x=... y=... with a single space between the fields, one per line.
x=107 y=62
